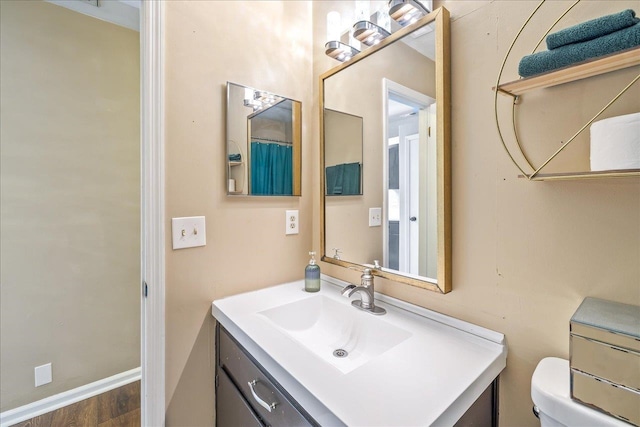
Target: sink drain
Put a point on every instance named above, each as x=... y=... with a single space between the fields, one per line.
x=340 y=353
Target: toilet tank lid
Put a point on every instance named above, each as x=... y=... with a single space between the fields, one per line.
x=550 y=392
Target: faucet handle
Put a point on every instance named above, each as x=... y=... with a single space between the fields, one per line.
x=366 y=279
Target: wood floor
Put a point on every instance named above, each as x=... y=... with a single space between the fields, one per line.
x=116 y=408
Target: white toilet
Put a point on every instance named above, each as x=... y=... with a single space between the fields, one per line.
x=551 y=395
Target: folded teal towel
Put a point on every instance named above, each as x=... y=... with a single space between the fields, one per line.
x=334 y=177
x=592 y=29
x=549 y=60
x=351 y=179
x=343 y=179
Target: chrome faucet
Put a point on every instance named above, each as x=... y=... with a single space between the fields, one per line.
x=366 y=301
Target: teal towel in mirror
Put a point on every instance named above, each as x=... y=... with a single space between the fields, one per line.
x=351 y=179
x=343 y=179
x=334 y=176
x=592 y=29
x=549 y=60
x=271 y=169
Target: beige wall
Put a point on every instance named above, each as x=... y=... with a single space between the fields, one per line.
x=258 y=44
x=70 y=219
x=525 y=254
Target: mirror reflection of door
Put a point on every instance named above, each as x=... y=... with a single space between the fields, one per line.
x=411 y=214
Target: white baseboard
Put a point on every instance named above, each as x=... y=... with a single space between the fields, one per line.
x=60 y=400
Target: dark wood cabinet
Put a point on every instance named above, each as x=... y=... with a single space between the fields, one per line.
x=246 y=395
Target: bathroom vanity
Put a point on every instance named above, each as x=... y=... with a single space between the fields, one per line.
x=288 y=357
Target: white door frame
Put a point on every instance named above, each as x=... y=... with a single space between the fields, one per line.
x=152 y=307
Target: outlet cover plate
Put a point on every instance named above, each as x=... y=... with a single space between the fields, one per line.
x=291 y=222
x=43 y=374
x=188 y=232
x=375 y=217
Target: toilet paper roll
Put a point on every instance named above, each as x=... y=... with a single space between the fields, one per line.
x=232 y=186
x=615 y=143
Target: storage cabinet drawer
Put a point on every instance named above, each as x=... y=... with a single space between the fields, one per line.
x=617 y=365
x=619 y=401
x=263 y=395
x=231 y=408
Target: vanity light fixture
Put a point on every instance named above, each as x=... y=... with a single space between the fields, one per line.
x=340 y=51
x=249 y=100
x=255 y=105
x=407 y=12
x=369 y=33
x=258 y=100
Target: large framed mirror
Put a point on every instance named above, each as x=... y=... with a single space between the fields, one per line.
x=264 y=143
x=399 y=224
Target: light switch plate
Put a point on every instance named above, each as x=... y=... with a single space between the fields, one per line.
x=375 y=217
x=291 y=222
x=188 y=232
x=43 y=374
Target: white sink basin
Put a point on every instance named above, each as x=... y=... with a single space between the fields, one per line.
x=410 y=367
x=325 y=326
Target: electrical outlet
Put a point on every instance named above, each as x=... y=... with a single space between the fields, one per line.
x=43 y=374
x=188 y=232
x=375 y=217
x=291 y=222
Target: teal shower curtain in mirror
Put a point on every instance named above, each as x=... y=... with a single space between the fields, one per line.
x=271 y=169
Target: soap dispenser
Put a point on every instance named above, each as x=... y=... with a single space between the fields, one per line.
x=312 y=275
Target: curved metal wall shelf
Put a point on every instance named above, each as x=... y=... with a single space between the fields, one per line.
x=590 y=68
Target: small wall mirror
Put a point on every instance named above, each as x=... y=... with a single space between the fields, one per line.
x=342 y=153
x=398 y=91
x=264 y=140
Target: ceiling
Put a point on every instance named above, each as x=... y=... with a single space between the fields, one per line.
x=125 y=13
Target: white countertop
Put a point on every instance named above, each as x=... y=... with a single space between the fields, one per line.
x=431 y=378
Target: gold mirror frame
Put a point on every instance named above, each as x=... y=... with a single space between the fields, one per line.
x=443 y=122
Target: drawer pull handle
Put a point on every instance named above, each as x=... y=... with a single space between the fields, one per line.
x=265 y=405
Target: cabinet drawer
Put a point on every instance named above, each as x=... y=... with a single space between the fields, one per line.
x=231 y=408
x=617 y=365
x=263 y=395
x=616 y=400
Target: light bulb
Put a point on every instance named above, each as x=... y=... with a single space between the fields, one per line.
x=333 y=26
x=362 y=10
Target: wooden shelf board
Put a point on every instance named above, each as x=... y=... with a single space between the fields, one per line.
x=621 y=173
x=590 y=68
